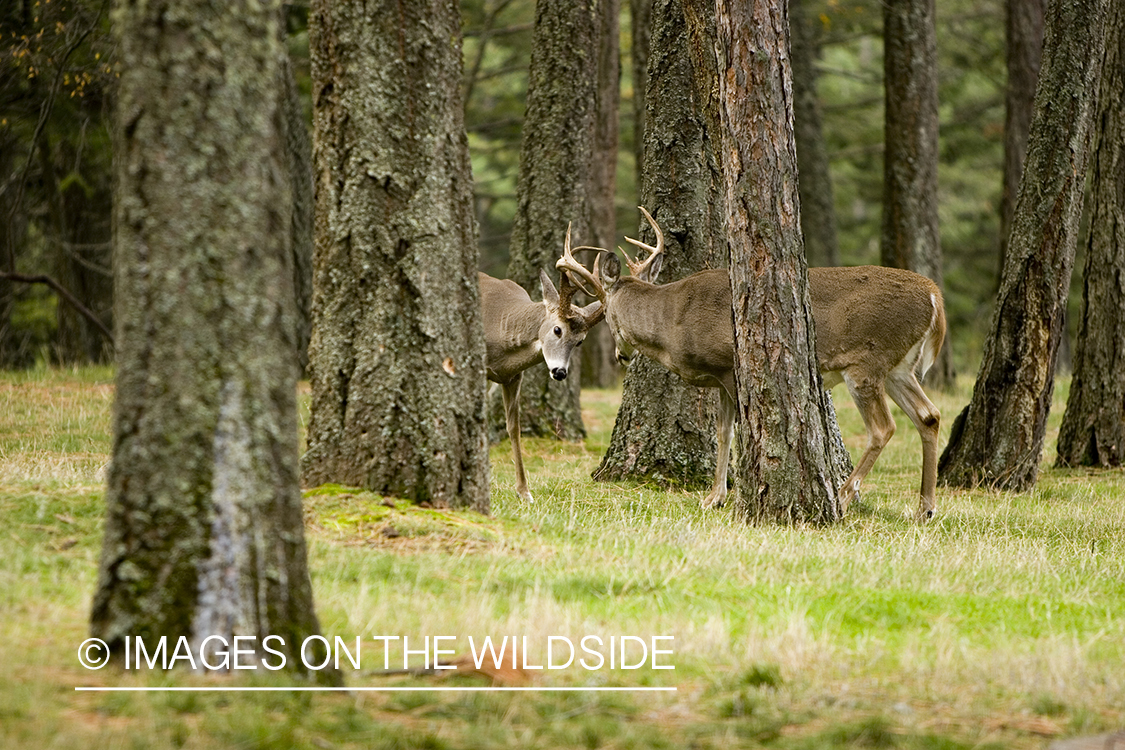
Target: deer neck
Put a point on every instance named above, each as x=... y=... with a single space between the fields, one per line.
x=641 y=317
x=513 y=343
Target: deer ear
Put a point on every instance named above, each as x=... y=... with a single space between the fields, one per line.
x=592 y=313
x=654 y=269
x=550 y=294
x=609 y=270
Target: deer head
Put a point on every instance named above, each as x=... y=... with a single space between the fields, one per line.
x=606 y=281
x=565 y=326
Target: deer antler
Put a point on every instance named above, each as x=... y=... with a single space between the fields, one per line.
x=637 y=268
x=578 y=271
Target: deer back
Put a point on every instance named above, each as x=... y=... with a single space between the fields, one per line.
x=872 y=317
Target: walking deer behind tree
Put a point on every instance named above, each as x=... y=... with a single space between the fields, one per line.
x=875 y=328
x=519 y=333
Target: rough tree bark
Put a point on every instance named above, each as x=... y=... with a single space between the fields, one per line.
x=1024 y=33
x=397 y=353
x=783 y=471
x=1093 y=427
x=204 y=533
x=818 y=207
x=998 y=439
x=665 y=429
x=555 y=185
x=910 y=237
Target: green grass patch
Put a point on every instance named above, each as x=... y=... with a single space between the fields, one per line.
x=997 y=625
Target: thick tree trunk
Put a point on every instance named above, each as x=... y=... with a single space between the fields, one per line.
x=1025 y=51
x=599 y=367
x=998 y=439
x=818 y=207
x=204 y=532
x=783 y=469
x=1093 y=427
x=910 y=237
x=556 y=184
x=665 y=429
x=397 y=351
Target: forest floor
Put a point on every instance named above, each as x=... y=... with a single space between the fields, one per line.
x=999 y=624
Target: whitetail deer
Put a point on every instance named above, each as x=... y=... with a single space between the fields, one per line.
x=519 y=333
x=874 y=327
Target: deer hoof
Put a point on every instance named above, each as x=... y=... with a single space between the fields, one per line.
x=525 y=495
x=712 y=501
x=926 y=515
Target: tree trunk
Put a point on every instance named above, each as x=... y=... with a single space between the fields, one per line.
x=818 y=207
x=204 y=532
x=85 y=263
x=599 y=366
x=1025 y=51
x=397 y=351
x=910 y=236
x=556 y=184
x=998 y=439
x=640 y=17
x=782 y=469
x=298 y=150
x=1093 y=427
x=665 y=429
x=13 y=233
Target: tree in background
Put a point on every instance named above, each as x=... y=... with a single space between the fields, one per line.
x=640 y=29
x=556 y=184
x=204 y=532
x=782 y=471
x=599 y=366
x=1093 y=427
x=818 y=207
x=665 y=428
x=910 y=237
x=298 y=152
x=397 y=351
x=998 y=439
x=1024 y=36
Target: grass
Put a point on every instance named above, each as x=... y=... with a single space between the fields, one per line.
x=1000 y=624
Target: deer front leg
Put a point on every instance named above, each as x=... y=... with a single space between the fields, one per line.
x=871 y=400
x=511 y=391
x=725 y=426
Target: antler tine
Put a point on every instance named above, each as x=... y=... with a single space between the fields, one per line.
x=577 y=271
x=635 y=267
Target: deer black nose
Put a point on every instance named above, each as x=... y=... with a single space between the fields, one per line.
x=559 y=373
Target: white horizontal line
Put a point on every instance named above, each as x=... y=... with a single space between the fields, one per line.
x=375 y=689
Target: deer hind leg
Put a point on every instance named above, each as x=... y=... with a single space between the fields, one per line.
x=870 y=398
x=904 y=388
x=725 y=425
x=512 y=418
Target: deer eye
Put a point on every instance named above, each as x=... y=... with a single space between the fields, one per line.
x=558 y=331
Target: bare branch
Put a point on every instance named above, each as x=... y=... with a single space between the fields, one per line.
x=65 y=294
